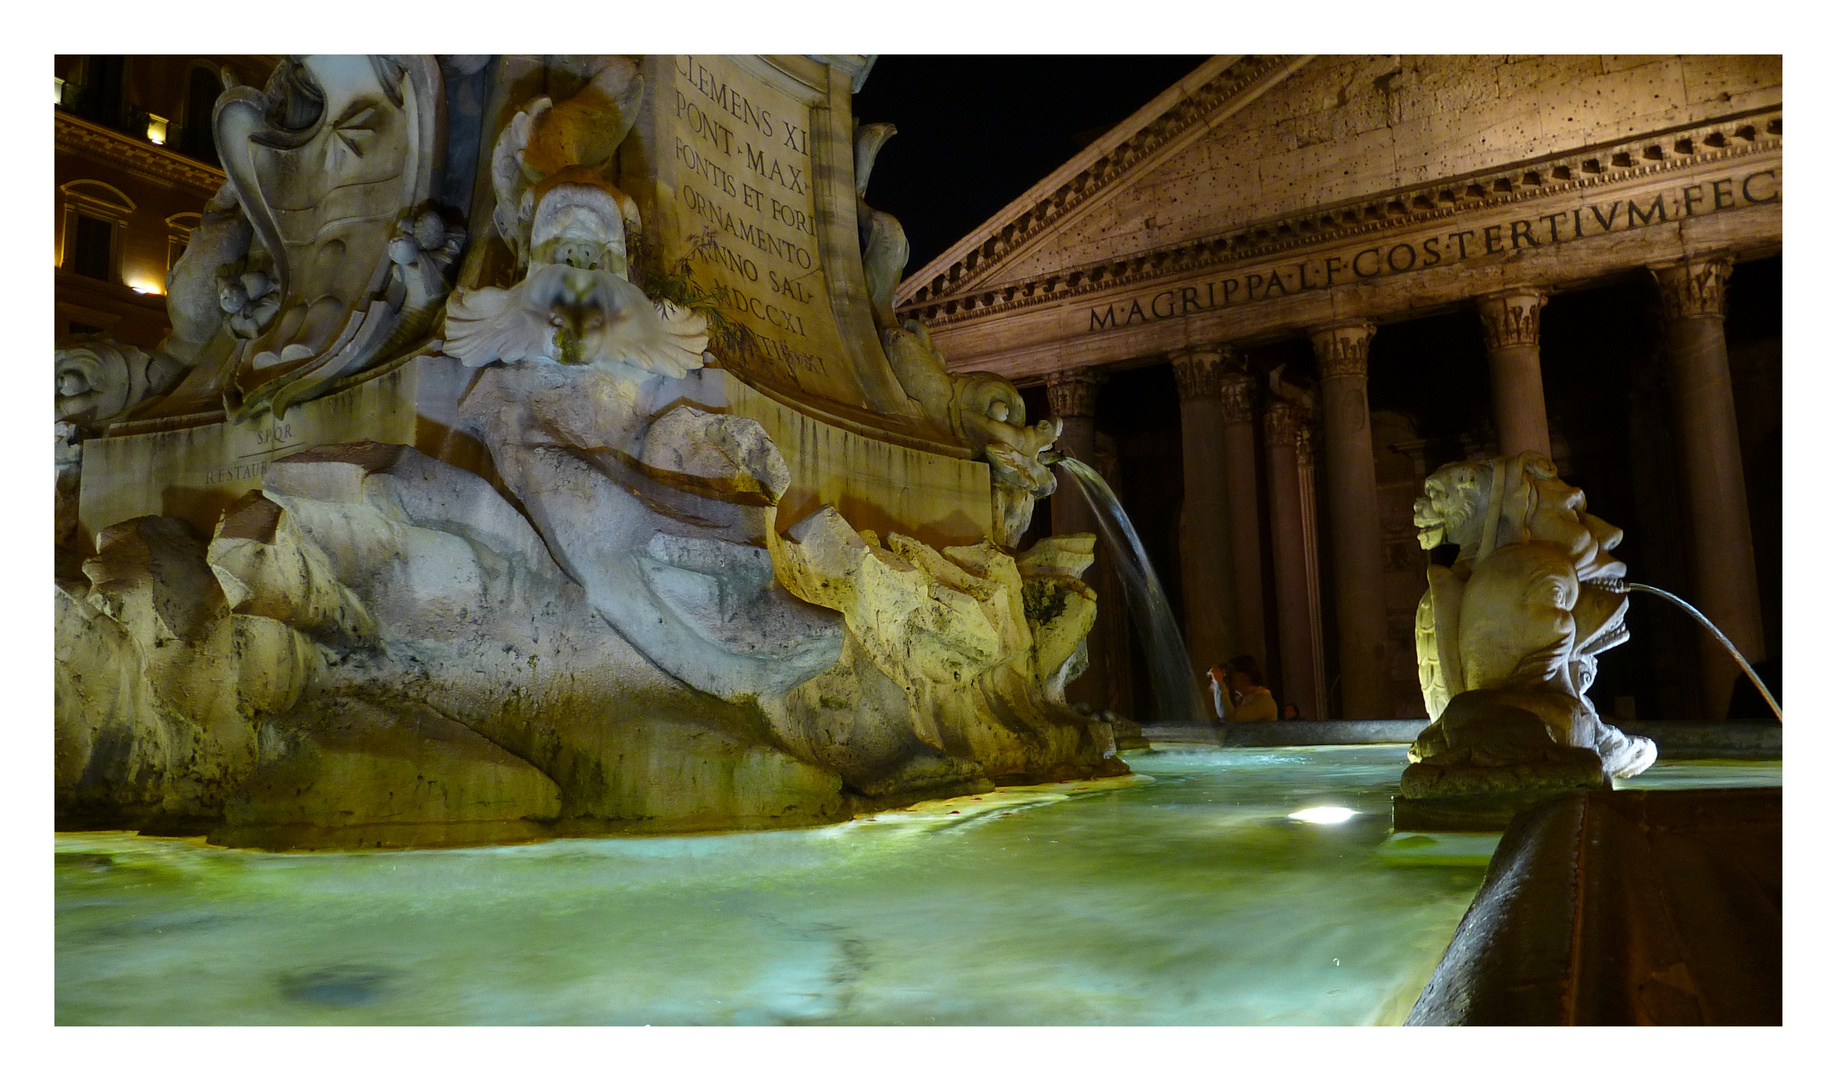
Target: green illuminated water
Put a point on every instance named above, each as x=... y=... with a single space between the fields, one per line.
x=1184 y=896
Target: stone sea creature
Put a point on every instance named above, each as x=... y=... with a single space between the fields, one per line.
x=1509 y=636
x=884 y=249
x=99 y=379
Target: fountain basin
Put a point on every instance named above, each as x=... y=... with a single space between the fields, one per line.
x=1185 y=894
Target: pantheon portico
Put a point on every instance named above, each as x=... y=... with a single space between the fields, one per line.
x=1259 y=228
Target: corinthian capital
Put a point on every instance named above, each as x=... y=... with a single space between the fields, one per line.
x=1512 y=318
x=1281 y=425
x=1278 y=425
x=1694 y=288
x=1344 y=349
x=1198 y=370
x=1073 y=392
x=1236 y=390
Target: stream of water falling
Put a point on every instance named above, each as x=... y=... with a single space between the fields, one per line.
x=1177 y=697
x=1753 y=676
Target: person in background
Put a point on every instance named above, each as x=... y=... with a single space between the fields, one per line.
x=1237 y=694
x=1291 y=711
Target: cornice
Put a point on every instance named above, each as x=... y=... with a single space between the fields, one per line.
x=1179 y=114
x=135 y=156
x=1586 y=168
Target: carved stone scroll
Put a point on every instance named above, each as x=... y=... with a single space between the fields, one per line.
x=333 y=163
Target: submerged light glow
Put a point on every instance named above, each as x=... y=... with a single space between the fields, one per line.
x=1324 y=815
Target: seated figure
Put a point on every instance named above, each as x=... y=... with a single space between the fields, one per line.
x=1238 y=694
x=1508 y=637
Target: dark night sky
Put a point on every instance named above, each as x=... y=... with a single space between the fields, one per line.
x=977 y=131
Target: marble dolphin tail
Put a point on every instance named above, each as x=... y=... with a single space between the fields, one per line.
x=1752 y=676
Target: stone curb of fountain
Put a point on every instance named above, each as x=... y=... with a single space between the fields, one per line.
x=1761 y=739
x=1290 y=732
x=1735 y=740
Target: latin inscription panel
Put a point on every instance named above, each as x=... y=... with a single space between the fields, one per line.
x=738 y=193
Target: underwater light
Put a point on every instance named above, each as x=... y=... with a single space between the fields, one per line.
x=1324 y=815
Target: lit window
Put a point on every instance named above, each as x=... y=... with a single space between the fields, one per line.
x=95 y=215
x=58 y=99
x=156 y=130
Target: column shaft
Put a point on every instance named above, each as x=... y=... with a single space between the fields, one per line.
x=1513 y=344
x=1243 y=514
x=1071 y=395
x=1294 y=616
x=1205 y=556
x=1310 y=530
x=1356 y=538
x=1726 y=585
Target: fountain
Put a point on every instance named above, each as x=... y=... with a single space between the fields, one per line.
x=1693 y=612
x=1508 y=637
x=1507 y=642
x=510 y=472
x=1176 y=694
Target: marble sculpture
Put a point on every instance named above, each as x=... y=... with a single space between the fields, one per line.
x=983 y=410
x=1508 y=638
x=593 y=619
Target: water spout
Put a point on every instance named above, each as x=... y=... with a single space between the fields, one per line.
x=1176 y=692
x=1633 y=586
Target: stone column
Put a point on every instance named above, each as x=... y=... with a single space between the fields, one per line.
x=1071 y=396
x=1512 y=321
x=1282 y=427
x=1355 y=536
x=1242 y=511
x=1310 y=531
x=1204 y=542
x=1720 y=539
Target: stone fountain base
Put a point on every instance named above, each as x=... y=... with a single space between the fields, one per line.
x=377 y=649
x=1624 y=907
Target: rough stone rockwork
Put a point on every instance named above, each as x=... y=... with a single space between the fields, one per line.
x=379 y=640
x=600 y=625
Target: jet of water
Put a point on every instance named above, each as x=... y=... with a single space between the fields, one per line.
x=1633 y=586
x=1176 y=693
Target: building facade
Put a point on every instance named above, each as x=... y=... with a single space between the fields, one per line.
x=1290 y=287
x=134 y=165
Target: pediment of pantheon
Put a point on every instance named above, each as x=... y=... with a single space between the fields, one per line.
x=1265 y=177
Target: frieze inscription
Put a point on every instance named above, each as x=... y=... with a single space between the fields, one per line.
x=1457 y=245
